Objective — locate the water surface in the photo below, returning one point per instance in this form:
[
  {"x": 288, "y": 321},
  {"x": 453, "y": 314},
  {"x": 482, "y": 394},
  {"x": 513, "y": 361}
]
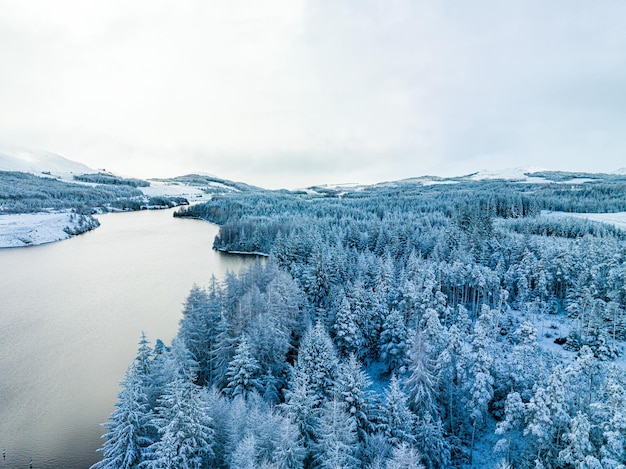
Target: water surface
[{"x": 71, "y": 314}]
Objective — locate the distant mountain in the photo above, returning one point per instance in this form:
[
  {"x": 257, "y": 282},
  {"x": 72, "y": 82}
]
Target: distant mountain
[
  {"x": 209, "y": 183},
  {"x": 39, "y": 162},
  {"x": 526, "y": 174},
  {"x": 517, "y": 174}
]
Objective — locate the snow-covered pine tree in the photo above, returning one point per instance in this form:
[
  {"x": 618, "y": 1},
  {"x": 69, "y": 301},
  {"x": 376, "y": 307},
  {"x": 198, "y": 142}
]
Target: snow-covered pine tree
[
  {"x": 421, "y": 382},
  {"x": 317, "y": 360},
  {"x": 129, "y": 428},
  {"x": 301, "y": 404},
  {"x": 404, "y": 456},
  {"x": 246, "y": 454},
  {"x": 352, "y": 390},
  {"x": 199, "y": 327},
  {"x": 579, "y": 451},
  {"x": 398, "y": 422},
  {"x": 348, "y": 336},
  {"x": 431, "y": 443},
  {"x": 453, "y": 375},
  {"x": 184, "y": 425},
  {"x": 392, "y": 346},
  {"x": 336, "y": 444},
  {"x": 242, "y": 375}
]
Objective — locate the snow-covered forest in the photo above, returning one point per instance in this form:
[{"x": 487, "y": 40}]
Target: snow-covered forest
[
  {"x": 27, "y": 193},
  {"x": 393, "y": 326}
]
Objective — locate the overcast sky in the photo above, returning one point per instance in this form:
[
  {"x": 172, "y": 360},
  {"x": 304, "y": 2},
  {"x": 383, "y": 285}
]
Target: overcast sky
[{"x": 290, "y": 93}]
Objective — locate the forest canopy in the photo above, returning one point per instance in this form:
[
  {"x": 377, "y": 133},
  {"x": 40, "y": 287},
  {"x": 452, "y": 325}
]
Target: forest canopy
[{"x": 393, "y": 326}]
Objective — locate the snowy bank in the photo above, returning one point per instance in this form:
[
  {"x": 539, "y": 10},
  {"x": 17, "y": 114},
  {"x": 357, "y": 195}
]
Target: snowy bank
[
  {"x": 244, "y": 253},
  {"x": 32, "y": 229}
]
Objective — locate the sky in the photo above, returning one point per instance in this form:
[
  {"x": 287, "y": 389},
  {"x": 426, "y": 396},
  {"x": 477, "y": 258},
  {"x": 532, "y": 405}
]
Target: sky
[{"x": 292, "y": 93}]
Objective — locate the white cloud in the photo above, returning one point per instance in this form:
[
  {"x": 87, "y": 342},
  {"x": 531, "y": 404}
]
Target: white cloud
[{"x": 285, "y": 93}]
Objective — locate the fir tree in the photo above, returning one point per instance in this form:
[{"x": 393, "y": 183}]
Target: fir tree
[
  {"x": 393, "y": 340},
  {"x": 129, "y": 428},
  {"x": 421, "y": 382},
  {"x": 317, "y": 360},
  {"x": 404, "y": 457},
  {"x": 185, "y": 428},
  {"x": 398, "y": 421},
  {"x": 246, "y": 454},
  {"x": 579, "y": 451},
  {"x": 431, "y": 443},
  {"x": 242, "y": 374},
  {"x": 199, "y": 327},
  {"x": 348, "y": 335},
  {"x": 352, "y": 390},
  {"x": 335, "y": 438}
]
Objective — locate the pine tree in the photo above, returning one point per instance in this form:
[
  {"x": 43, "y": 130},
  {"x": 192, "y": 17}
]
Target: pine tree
[
  {"x": 421, "y": 382},
  {"x": 352, "y": 390},
  {"x": 348, "y": 335},
  {"x": 613, "y": 419},
  {"x": 404, "y": 457},
  {"x": 398, "y": 421},
  {"x": 185, "y": 428},
  {"x": 511, "y": 427},
  {"x": 246, "y": 454},
  {"x": 431, "y": 443},
  {"x": 481, "y": 387},
  {"x": 525, "y": 364},
  {"x": 301, "y": 404},
  {"x": 453, "y": 374},
  {"x": 393, "y": 340},
  {"x": 178, "y": 363},
  {"x": 336, "y": 443},
  {"x": 269, "y": 345},
  {"x": 317, "y": 360},
  {"x": 128, "y": 429},
  {"x": 199, "y": 327},
  {"x": 579, "y": 451},
  {"x": 242, "y": 374},
  {"x": 539, "y": 422}
]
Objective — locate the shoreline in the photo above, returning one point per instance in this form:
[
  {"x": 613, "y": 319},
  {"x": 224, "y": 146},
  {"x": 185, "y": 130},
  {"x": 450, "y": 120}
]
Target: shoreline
[
  {"x": 34, "y": 229},
  {"x": 243, "y": 253}
]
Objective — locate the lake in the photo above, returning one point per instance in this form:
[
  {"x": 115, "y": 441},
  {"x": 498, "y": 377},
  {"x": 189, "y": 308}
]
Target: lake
[{"x": 71, "y": 314}]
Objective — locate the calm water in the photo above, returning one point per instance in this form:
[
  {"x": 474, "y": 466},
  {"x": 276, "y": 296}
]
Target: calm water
[{"x": 71, "y": 314}]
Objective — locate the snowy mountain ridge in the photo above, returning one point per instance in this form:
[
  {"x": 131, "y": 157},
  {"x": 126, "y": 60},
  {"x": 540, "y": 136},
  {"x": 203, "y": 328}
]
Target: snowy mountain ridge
[
  {"x": 38, "y": 162},
  {"x": 13, "y": 158},
  {"x": 519, "y": 173}
]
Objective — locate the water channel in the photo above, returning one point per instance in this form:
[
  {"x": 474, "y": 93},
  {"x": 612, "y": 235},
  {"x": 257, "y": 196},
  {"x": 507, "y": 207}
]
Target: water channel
[{"x": 71, "y": 314}]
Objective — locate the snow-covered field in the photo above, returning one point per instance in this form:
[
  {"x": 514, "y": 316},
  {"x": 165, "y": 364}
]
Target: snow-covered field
[
  {"x": 31, "y": 229},
  {"x": 167, "y": 189},
  {"x": 617, "y": 219}
]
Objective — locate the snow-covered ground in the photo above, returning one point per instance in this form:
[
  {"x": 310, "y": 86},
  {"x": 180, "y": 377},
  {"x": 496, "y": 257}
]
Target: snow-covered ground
[
  {"x": 170, "y": 189},
  {"x": 31, "y": 229},
  {"x": 617, "y": 219}
]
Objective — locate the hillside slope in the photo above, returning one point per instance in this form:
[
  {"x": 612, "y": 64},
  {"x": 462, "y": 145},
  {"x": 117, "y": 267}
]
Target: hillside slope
[{"x": 38, "y": 162}]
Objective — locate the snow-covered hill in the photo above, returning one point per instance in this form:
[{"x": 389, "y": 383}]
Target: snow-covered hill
[
  {"x": 14, "y": 158},
  {"x": 516, "y": 174}
]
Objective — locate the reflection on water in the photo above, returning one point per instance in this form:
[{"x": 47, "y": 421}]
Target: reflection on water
[{"x": 71, "y": 314}]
